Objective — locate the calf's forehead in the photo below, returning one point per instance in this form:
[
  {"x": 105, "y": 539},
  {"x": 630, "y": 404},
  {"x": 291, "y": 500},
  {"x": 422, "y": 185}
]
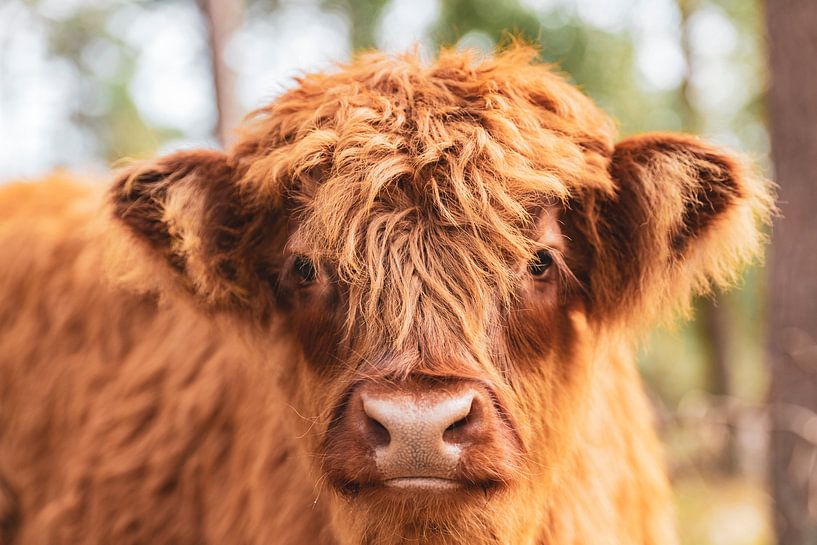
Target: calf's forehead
[
  {"x": 382, "y": 118},
  {"x": 421, "y": 184}
]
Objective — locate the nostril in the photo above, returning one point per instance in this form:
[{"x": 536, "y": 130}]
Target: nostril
[
  {"x": 458, "y": 424},
  {"x": 463, "y": 430},
  {"x": 378, "y": 434}
]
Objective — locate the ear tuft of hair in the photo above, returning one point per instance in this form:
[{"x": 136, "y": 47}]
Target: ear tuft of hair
[
  {"x": 186, "y": 211},
  {"x": 686, "y": 218}
]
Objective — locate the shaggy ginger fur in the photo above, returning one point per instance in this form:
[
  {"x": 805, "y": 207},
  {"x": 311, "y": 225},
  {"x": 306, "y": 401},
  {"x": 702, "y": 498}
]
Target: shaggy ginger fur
[{"x": 176, "y": 350}]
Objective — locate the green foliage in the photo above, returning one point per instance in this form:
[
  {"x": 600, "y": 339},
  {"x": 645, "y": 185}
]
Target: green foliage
[
  {"x": 364, "y": 17},
  {"x": 104, "y": 106}
]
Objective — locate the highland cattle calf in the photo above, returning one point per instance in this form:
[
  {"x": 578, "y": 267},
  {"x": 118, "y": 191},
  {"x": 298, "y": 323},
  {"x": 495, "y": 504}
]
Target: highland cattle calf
[{"x": 400, "y": 309}]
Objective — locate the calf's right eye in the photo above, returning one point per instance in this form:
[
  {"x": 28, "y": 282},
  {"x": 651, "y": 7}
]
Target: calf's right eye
[
  {"x": 539, "y": 265},
  {"x": 304, "y": 269}
]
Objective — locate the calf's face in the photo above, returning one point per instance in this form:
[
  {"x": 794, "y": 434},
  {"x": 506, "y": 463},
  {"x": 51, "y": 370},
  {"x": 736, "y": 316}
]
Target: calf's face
[{"x": 445, "y": 257}]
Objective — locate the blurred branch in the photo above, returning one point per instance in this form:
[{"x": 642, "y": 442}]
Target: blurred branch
[
  {"x": 703, "y": 427},
  {"x": 798, "y": 420},
  {"x": 690, "y": 119},
  {"x": 223, "y": 18}
]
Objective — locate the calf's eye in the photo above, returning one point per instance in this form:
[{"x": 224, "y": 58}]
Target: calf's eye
[
  {"x": 304, "y": 269},
  {"x": 541, "y": 262}
]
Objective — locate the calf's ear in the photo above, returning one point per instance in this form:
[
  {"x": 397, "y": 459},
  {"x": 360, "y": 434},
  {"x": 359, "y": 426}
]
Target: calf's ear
[
  {"x": 685, "y": 217},
  {"x": 187, "y": 211}
]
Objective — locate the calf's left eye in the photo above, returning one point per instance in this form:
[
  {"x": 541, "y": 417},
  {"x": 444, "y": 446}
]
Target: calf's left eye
[
  {"x": 305, "y": 270},
  {"x": 541, "y": 262}
]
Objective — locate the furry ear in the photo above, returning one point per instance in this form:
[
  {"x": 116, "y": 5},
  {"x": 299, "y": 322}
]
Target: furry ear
[
  {"x": 186, "y": 208},
  {"x": 685, "y": 217}
]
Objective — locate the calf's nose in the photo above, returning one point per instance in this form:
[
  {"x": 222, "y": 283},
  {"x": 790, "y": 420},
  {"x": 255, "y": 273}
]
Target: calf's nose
[{"x": 420, "y": 435}]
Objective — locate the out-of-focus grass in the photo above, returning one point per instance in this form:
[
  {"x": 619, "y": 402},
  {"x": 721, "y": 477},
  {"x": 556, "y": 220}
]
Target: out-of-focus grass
[{"x": 720, "y": 510}]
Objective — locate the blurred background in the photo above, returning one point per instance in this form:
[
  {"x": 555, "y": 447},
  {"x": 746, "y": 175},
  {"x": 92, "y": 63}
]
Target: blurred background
[{"x": 84, "y": 83}]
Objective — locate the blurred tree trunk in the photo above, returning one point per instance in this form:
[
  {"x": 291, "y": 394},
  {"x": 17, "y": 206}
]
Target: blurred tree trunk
[
  {"x": 712, "y": 313},
  {"x": 792, "y": 29},
  {"x": 223, "y": 17}
]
